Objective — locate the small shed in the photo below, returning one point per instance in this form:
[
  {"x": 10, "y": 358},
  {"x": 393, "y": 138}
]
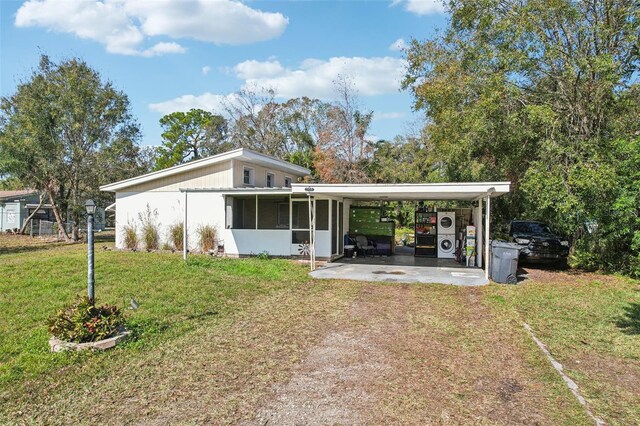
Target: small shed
[{"x": 14, "y": 207}]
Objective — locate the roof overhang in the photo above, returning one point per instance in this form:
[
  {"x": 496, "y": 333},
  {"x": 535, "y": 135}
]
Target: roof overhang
[
  {"x": 241, "y": 191},
  {"x": 242, "y": 154},
  {"x": 16, "y": 196},
  {"x": 407, "y": 191}
]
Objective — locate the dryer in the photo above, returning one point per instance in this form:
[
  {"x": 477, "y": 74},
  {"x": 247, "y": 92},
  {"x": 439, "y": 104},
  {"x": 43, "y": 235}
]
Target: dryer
[
  {"x": 447, "y": 246},
  {"x": 446, "y": 223}
]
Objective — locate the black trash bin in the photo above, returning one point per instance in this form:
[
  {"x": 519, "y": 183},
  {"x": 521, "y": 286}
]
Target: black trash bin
[{"x": 504, "y": 262}]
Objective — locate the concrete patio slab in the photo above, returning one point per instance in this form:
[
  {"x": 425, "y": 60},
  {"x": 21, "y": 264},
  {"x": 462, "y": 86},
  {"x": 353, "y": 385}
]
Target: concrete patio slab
[{"x": 399, "y": 269}]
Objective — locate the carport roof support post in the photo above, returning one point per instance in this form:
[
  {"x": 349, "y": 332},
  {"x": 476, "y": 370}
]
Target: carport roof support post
[
  {"x": 487, "y": 221},
  {"x": 184, "y": 228}
]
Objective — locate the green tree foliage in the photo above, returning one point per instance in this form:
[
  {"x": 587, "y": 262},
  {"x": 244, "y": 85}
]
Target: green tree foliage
[
  {"x": 189, "y": 136},
  {"x": 543, "y": 94},
  {"x": 65, "y": 132},
  {"x": 406, "y": 159}
]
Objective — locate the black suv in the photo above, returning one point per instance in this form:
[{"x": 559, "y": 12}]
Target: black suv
[{"x": 538, "y": 242}]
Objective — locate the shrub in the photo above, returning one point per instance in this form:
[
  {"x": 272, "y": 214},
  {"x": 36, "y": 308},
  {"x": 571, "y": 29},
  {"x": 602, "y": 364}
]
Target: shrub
[
  {"x": 150, "y": 234},
  {"x": 264, "y": 255},
  {"x": 130, "y": 236},
  {"x": 81, "y": 322},
  {"x": 176, "y": 235},
  {"x": 206, "y": 237}
]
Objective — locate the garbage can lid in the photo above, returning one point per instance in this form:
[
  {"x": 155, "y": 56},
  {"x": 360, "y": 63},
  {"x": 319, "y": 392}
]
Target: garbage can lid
[{"x": 505, "y": 245}]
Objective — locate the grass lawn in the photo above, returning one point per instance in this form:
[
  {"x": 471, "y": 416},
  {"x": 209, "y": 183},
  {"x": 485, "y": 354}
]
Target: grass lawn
[
  {"x": 226, "y": 341},
  {"x": 591, "y": 324}
]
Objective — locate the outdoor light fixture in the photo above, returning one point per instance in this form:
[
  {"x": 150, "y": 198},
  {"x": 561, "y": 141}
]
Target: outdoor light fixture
[
  {"x": 90, "y": 206},
  {"x": 91, "y": 210}
]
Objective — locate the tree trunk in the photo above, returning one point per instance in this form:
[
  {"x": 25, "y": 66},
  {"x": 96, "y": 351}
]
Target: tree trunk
[
  {"x": 61, "y": 229},
  {"x": 26, "y": 222},
  {"x": 75, "y": 217}
]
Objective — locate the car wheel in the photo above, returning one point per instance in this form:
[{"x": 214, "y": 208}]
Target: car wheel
[{"x": 562, "y": 264}]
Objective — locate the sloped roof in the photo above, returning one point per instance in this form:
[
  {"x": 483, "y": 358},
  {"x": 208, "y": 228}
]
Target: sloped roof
[
  {"x": 240, "y": 154},
  {"x": 17, "y": 193}
]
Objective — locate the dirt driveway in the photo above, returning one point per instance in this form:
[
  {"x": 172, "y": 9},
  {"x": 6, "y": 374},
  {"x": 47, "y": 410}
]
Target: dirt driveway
[{"x": 420, "y": 355}]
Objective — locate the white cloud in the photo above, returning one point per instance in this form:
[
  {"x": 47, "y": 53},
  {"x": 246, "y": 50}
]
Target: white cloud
[
  {"x": 206, "y": 69},
  {"x": 206, "y": 101},
  {"x": 315, "y": 78},
  {"x": 124, "y": 25},
  {"x": 162, "y": 48},
  {"x": 421, "y": 7},
  {"x": 255, "y": 69},
  {"x": 398, "y": 45}
]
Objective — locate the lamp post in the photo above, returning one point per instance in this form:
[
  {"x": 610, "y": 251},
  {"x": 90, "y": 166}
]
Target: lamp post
[{"x": 91, "y": 210}]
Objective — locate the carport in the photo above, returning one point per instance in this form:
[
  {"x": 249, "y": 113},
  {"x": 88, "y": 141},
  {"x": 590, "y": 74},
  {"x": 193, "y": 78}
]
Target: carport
[{"x": 479, "y": 193}]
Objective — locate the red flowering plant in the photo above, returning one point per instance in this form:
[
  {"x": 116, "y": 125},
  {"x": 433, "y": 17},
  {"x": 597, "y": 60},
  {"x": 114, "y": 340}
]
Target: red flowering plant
[{"x": 83, "y": 322}]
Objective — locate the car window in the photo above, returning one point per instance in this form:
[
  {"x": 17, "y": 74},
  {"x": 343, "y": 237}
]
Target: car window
[
  {"x": 540, "y": 228},
  {"x": 530, "y": 228}
]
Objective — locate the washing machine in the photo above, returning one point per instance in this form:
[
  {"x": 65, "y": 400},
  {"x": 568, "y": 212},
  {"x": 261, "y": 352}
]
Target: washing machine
[
  {"x": 446, "y": 223},
  {"x": 447, "y": 246}
]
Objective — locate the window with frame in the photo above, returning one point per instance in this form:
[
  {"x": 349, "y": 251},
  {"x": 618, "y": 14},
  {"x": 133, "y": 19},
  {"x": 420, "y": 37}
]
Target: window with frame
[
  {"x": 247, "y": 177},
  {"x": 271, "y": 179},
  {"x": 287, "y": 182}
]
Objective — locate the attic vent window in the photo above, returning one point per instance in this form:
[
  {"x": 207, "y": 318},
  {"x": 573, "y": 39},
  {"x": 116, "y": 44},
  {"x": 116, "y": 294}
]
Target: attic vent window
[
  {"x": 287, "y": 182},
  {"x": 270, "y": 180}
]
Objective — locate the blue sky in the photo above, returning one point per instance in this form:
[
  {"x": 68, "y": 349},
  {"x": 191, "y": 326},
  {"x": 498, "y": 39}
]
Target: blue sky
[{"x": 172, "y": 55}]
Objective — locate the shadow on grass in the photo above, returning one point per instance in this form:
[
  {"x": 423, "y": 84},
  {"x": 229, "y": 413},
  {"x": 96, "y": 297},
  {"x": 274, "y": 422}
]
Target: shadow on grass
[
  {"x": 31, "y": 244},
  {"x": 31, "y": 247},
  {"x": 629, "y": 322}
]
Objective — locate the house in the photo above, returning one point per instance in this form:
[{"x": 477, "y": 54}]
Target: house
[
  {"x": 257, "y": 203},
  {"x": 243, "y": 194},
  {"x": 17, "y": 205},
  {"x": 13, "y": 207}
]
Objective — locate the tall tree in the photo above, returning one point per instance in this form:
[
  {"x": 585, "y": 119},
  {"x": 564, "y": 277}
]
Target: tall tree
[
  {"x": 541, "y": 93},
  {"x": 287, "y": 130},
  {"x": 343, "y": 152},
  {"x": 191, "y": 135},
  {"x": 254, "y": 114},
  {"x": 56, "y": 132}
]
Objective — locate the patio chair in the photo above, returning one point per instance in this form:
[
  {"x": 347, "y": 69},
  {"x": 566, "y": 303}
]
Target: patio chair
[{"x": 364, "y": 245}]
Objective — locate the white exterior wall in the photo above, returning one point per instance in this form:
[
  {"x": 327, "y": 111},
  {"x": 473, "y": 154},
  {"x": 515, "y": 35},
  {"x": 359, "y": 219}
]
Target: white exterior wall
[
  {"x": 260, "y": 175},
  {"x": 206, "y": 208},
  {"x": 203, "y": 209},
  {"x": 276, "y": 242}
]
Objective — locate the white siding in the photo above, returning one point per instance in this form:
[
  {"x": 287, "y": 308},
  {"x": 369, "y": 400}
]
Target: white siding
[
  {"x": 260, "y": 175},
  {"x": 214, "y": 176}
]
